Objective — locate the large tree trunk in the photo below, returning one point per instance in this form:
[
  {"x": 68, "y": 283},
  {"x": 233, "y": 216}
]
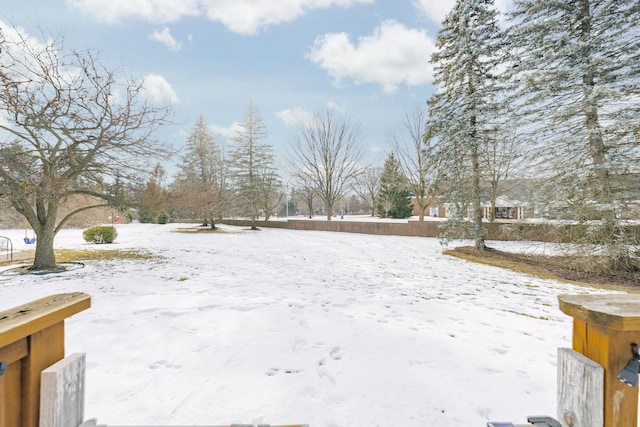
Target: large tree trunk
[
  {"x": 492, "y": 210},
  {"x": 45, "y": 257},
  {"x": 329, "y": 209},
  {"x": 602, "y": 190},
  {"x": 422, "y": 206},
  {"x": 475, "y": 201},
  {"x": 254, "y": 219}
]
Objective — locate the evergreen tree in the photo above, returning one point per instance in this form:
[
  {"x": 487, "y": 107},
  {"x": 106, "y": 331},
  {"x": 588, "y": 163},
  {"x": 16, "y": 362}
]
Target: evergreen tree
[
  {"x": 250, "y": 157},
  {"x": 393, "y": 198},
  {"x": 464, "y": 73},
  {"x": 199, "y": 184},
  {"x": 152, "y": 197},
  {"x": 576, "y": 67}
]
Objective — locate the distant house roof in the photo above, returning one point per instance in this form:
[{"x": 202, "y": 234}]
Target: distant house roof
[{"x": 506, "y": 202}]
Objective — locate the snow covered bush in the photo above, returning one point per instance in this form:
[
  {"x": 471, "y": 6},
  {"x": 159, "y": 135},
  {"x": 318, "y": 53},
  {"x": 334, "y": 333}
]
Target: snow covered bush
[{"x": 100, "y": 234}]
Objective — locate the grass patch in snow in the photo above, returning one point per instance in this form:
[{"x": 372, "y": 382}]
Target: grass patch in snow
[
  {"x": 204, "y": 230},
  {"x": 545, "y": 267},
  {"x": 73, "y": 255}
]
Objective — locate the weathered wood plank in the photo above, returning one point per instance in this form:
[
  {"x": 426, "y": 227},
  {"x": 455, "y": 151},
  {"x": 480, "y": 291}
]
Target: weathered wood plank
[
  {"x": 62, "y": 393},
  {"x": 580, "y": 390},
  {"x": 14, "y": 352},
  {"x": 10, "y": 388},
  {"x": 46, "y": 347},
  {"x": 22, "y": 321}
]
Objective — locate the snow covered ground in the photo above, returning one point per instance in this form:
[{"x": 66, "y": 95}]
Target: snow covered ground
[{"x": 327, "y": 329}]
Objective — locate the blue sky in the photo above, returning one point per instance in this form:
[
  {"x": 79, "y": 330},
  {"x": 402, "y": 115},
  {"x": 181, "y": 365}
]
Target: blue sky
[{"x": 365, "y": 58}]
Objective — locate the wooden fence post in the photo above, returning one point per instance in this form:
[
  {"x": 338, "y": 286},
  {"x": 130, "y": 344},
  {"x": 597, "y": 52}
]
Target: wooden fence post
[
  {"x": 604, "y": 326},
  {"x": 62, "y": 393},
  {"x": 580, "y": 390},
  {"x": 31, "y": 340}
]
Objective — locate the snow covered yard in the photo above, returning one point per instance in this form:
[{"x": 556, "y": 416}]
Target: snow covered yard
[{"x": 281, "y": 326}]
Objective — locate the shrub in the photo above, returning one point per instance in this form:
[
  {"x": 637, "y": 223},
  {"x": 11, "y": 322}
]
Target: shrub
[
  {"x": 100, "y": 234},
  {"x": 145, "y": 217},
  {"x": 163, "y": 218}
]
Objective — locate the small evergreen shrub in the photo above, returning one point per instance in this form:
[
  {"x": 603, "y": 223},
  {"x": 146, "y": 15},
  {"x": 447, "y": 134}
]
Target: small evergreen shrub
[
  {"x": 100, "y": 234},
  {"x": 163, "y": 218},
  {"x": 145, "y": 217}
]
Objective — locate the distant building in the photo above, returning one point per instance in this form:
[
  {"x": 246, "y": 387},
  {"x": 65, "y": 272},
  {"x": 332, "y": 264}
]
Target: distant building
[{"x": 507, "y": 208}]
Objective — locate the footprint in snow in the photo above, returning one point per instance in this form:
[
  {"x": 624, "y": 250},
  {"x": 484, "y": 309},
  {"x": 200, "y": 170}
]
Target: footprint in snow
[
  {"x": 336, "y": 353},
  {"x": 273, "y": 371},
  {"x": 163, "y": 364}
]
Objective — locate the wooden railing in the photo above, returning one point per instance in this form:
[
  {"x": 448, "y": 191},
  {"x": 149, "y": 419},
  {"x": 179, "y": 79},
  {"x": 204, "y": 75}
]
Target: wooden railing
[{"x": 32, "y": 339}]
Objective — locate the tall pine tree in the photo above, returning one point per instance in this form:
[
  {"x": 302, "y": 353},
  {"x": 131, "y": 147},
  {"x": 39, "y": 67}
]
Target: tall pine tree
[
  {"x": 576, "y": 67},
  {"x": 393, "y": 198},
  {"x": 199, "y": 184},
  {"x": 464, "y": 74},
  {"x": 250, "y": 157}
]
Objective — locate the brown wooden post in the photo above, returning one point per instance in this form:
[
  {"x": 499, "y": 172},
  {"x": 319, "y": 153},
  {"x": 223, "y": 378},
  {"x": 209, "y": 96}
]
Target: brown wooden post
[
  {"x": 32, "y": 339},
  {"x": 604, "y": 326}
]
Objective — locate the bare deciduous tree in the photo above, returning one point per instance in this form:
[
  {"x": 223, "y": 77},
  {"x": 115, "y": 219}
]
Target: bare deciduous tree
[
  {"x": 307, "y": 193},
  {"x": 366, "y": 186},
  {"x": 71, "y": 126},
  {"x": 327, "y": 155},
  {"x": 497, "y": 158},
  {"x": 418, "y": 162},
  {"x": 269, "y": 186}
]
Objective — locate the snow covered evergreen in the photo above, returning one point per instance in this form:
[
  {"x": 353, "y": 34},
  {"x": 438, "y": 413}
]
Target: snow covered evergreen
[
  {"x": 392, "y": 200},
  {"x": 465, "y": 67},
  {"x": 575, "y": 65}
]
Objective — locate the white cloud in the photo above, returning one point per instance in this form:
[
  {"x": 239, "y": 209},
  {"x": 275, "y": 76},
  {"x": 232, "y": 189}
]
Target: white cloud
[
  {"x": 18, "y": 42},
  {"x": 158, "y": 11},
  {"x": 159, "y": 91},
  {"x": 434, "y": 10},
  {"x": 340, "y": 108},
  {"x": 225, "y": 131},
  {"x": 393, "y": 55},
  {"x": 293, "y": 117},
  {"x": 250, "y": 16},
  {"x": 239, "y": 16},
  {"x": 164, "y": 36}
]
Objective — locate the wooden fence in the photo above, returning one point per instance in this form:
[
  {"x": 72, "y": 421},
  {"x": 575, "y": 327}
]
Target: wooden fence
[{"x": 540, "y": 232}]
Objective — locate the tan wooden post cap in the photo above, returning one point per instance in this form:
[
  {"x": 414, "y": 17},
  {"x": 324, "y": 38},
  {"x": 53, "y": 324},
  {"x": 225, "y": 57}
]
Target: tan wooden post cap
[{"x": 612, "y": 311}]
